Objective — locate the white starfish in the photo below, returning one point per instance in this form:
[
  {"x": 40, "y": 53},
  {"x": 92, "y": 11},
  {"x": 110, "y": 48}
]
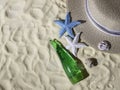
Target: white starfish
[{"x": 73, "y": 43}]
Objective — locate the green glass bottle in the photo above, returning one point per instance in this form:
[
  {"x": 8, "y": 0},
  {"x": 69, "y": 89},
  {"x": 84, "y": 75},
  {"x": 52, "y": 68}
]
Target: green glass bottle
[{"x": 73, "y": 67}]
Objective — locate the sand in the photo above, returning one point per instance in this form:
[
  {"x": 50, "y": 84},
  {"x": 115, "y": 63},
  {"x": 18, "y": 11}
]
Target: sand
[{"x": 28, "y": 62}]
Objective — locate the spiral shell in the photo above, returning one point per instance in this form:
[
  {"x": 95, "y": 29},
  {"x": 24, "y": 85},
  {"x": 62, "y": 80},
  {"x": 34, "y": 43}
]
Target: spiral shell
[
  {"x": 104, "y": 45},
  {"x": 91, "y": 62}
]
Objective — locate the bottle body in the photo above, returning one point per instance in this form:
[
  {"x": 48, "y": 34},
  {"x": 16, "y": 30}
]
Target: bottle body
[{"x": 73, "y": 67}]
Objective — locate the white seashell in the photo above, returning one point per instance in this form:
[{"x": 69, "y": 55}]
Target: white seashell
[{"x": 104, "y": 45}]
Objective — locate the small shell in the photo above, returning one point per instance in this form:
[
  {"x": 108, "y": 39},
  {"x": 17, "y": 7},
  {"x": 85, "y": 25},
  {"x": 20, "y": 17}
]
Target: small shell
[
  {"x": 104, "y": 45},
  {"x": 91, "y": 62}
]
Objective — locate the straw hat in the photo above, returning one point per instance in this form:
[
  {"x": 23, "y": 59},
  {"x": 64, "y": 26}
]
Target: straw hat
[{"x": 101, "y": 29}]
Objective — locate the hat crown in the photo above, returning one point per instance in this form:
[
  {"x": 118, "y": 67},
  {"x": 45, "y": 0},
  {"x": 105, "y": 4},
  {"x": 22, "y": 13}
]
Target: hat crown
[{"x": 106, "y": 12}]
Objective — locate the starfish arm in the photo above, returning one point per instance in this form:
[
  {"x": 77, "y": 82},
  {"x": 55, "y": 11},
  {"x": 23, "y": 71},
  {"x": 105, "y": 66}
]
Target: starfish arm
[
  {"x": 60, "y": 22},
  {"x": 80, "y": 45},
  {"x": 73, "y": 24},
  {"x": 67, "y": 20},
  {"x": 68, "y": 39},
  {"x": 68, "y": 47},
  {"x": 70, "y": 32},
  {"x": 74, "y": 51},
  {"x": 61, "y": 32},
  {"x": 76, "y": 39}
]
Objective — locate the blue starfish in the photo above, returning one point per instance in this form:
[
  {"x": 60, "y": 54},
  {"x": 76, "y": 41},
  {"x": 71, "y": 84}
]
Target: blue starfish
[{"x": 67, "y": 25}]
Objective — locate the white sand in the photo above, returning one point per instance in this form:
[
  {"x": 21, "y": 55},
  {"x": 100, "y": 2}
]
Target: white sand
[{"x": 28, "y": 62}]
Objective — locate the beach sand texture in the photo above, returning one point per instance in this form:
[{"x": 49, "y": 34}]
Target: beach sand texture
[{"x": 28, "y": 62}]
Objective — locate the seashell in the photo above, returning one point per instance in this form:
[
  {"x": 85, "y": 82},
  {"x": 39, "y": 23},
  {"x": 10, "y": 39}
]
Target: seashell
[
  {"x": 91, "y": 62},
  {"x": 104, "y": 45}
]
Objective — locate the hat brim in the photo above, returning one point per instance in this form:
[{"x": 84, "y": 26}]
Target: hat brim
[{"x": 91, "y": 35}]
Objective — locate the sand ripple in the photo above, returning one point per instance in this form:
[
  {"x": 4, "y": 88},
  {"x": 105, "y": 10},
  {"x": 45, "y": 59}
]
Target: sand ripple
[{"x": 27, "y": 61}]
